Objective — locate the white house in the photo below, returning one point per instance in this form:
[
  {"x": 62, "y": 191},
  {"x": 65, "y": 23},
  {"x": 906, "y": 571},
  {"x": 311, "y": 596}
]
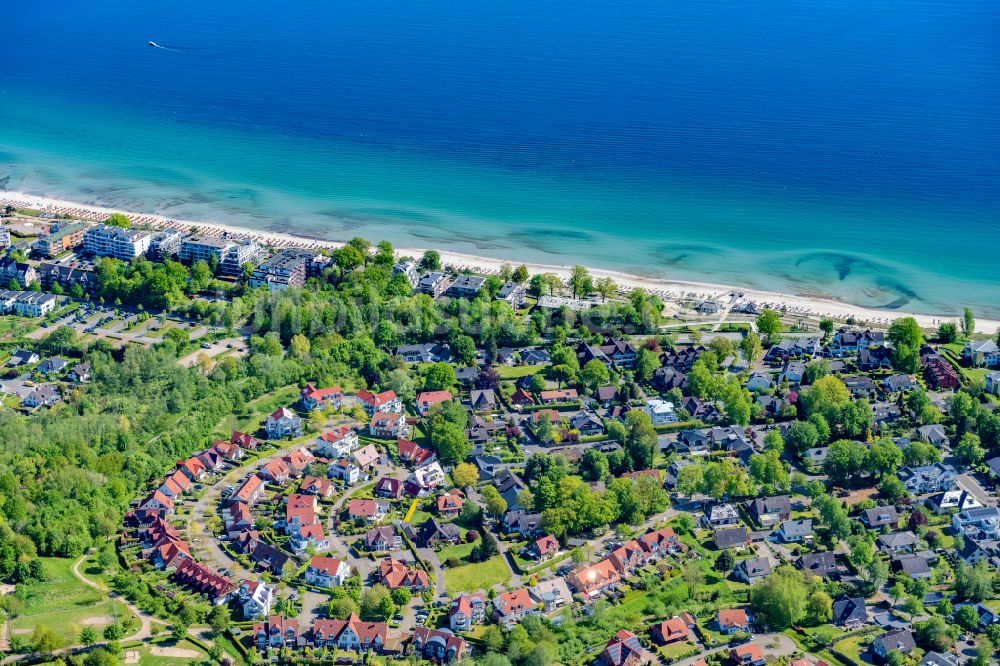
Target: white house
[
  {"x": 327, "y": 572},
  {"x": 982, "y": 353},
  {"x": 660, "y": 411},
  {"x": 336, "y": 443},
  {"x": 256, "y": 598},
  {"x": 283, "y": 423}
]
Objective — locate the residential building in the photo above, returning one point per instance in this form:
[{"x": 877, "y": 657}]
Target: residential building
[
  {"x": 439, "y": 645},
  {"x": 350, "y": 634},
  {"x": 982, "y": 353},
  {"x": 283, "y": 423},
  {"x": 255, "y": 598},
  {"x": 624, "y": 649},
  {"x": 928, "y": 479},
  {"x": 849, "y": 612},
  {"x": 435, "y": 284},
  {"x": 660, "y": 411},
  {"x": 426, "y": 400},
  {"x": 276, "y": 632},
  {"x": 231, "y": 254},
  {"x": 407, "y": 267},
  {"x": 673, "y": 630},
  {"x": 165, "y": 244},
  {"x": 382, "y": 539},
  {"x": 317, "y": 398},
  {"x": 386, "y": 401},
  {"x": 336, "y": 443},
  {"x": 41, "y": 396},
  {"x": 897, "y": 542},
  {"x": 466, "y": 286},
  {"x": 368, "y": 510},
  {"x": 395, "y": 573},
  {"x": 733, "y": 620},
  {"x": 748, "y": 654},
  {"x": 979, "y": 524},
  {"x": 593, "y": 579},
  {"x": 62, "y": 238},
  {"x": 768, "y": 511},
  {"x": 731, "y": 537},
  {"x": 35, "y": 304},
  {"x": 822, "y": 564},
  {"x": 514, "y": 294},
  {"x": 720, "y": 515},
  {"x": 795, "y": 531},
  {"x": 327, "y": 572},
  {"x": 388, "y": 425},
  {"x": 895, "y": 640},
  {"x": 466, "y": 611},
  {"x": 290, "y": 267},
  {"x": 753, "y": 569},
  {"x": 511, "y": 606},
  {"x": 426, "y": 352},
  {"x": 880, "y": 516},
  {"x": 105, "y": 240}
]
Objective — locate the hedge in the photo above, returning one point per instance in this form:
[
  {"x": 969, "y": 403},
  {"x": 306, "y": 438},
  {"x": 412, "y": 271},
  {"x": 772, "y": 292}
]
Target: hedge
[
  {"x": 574, "y": 406},
  {"x": 680, "y": 425}
]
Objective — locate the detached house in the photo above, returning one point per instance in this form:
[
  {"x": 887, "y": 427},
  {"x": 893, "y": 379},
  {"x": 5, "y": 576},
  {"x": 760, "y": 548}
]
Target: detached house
[
  {"x": 283, "y": 423},
  {"x": 510, "y": 607},
  {"x": 849, "y": 612},
  {"x": 316, "y": 398},
  {"x": 256, "y": 598},
  {"x": 439, "y": 645},
  {"x": 395, "y": 574},
  {"x": 731, "y": 537},
  {"x": 388, "y": 425},
  {"x": 337, "y": 442},
  {"x": 880, "y": 516},
  {"x": 386, "y": 401},
  {"x": 982, "y": 353},
  {"x": 768, "y": 511},
  {"x": 327, "y": 572},
  {"x": 368, "y": 510},
  {"x": 753, "y": 569},
  {"x": 426, "y": 400},
  {"x": 733, "y": 620},
  {"x": 466, "y": 611},
  {"x": 928, "y": 479}
]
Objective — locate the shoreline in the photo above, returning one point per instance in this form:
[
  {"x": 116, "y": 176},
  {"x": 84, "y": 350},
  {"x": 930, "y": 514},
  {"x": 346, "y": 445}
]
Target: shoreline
[{"x": 801, "y": 305}]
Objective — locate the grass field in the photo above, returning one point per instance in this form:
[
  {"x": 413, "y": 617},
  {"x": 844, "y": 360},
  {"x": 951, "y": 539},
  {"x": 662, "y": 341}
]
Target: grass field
[
  {"x": 479, "y": 576},
  {"x": 169, "y": 653},
  {"x": 517, "y": 371},
  {"x": 64, "y": 604},
  {"x": 458, "y": 551}
]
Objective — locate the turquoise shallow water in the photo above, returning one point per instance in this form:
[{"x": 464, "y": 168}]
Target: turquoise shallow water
[{"x": 848, "y": 151}]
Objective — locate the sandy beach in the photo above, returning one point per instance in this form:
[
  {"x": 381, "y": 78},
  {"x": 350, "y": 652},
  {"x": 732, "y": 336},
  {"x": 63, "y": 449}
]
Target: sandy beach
[{"x": 805, "y": 306}]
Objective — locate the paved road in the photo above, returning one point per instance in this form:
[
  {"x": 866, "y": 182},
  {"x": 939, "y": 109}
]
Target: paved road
[
  {"x": 775, "y": 645},
  {"x": 970, "y": 484}
]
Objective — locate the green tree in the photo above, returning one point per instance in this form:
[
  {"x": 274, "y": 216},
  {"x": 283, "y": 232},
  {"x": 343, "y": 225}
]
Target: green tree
[
  {"x": 640, "y": 439},
  {"x": 751, "y": 348},
  {"x": 464, "y": 350},
  {"x": 967, "y": 618},
  {"x": 779, "y": 601},
  {"x": 906, "y": 339},
  {"x": 947, "y": 332},
  {"x": 819, "y": 608},
  {"x": 883, "y": 458},
  {"x": 844, "y": 461},
  {"x": 439, "y": 377},
  {"x": 495, "y": 504},
  {"x": 594, "y": 465},
  {"x": 690, "y": 480},
  {"x": 826, "y": 325},
  {"x": 464, "y": 475},
  {"x": 580, "y": 281},
  {"x": 218, "y": 619},
  {"x": 377, "y": 604},
  {"x": 450, "y": 442},
  {"x": 87, "y": 635},
  {"x": 969, "y": 449},
  {"x": 769, "y": 325},
  {"x": 935, "y": 634},
  {"x": 968, "y": 323},
  {"x": 118, "y": 220},
  {"x": 801, "y": 437},
  {"x": 646, "y": 363},
  {"x": 520, "y": 275},
  {"x": 594, "y": 374},
  {"x": 431, "y": 260},
  {"x": 606, "y": 287},
  {"x": 401, "y": 596}
]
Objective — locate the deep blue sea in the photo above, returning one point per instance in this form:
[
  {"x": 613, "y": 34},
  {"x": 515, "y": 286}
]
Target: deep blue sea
[{"x": 846, "y": 148}]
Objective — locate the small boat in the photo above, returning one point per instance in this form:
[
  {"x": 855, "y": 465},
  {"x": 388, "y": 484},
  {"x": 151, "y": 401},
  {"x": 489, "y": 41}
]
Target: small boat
[{"x": 153, "y": 44}]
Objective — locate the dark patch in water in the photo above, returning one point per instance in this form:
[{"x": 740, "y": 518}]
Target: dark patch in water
[{"x": 673, "y": 254}]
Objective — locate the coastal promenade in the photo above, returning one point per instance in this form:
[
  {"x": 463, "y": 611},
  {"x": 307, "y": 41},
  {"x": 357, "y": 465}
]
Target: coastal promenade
[{"x": 792, "y": 305}]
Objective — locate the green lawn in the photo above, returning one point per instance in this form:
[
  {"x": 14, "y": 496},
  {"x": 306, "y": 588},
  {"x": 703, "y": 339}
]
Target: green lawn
[
  {"x": 159, "y": 653},
  {"x": 479, "y": 576},
  {"x": 517, "y": 371},
  {"x": 459, "y": 551},
  {"x": 64, "y": 604}
]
